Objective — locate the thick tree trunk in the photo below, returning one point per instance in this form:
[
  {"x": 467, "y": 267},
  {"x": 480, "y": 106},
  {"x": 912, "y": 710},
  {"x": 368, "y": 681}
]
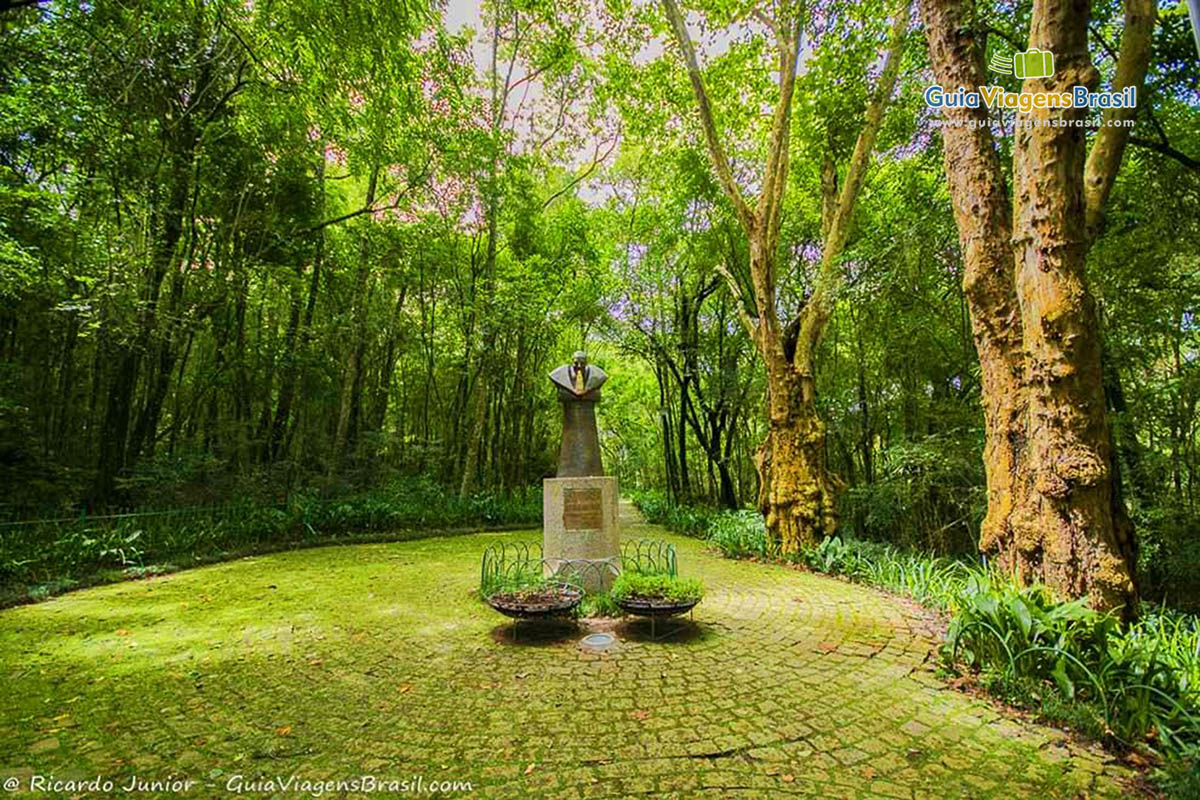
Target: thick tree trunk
[
  {"x": 1055, "y": 513},
  {"x": 797, "y": 493},
  {"x": 796, "y": 497},
  {"x": 1072, "y": 532},
  {"x": 982, "y": 212}
]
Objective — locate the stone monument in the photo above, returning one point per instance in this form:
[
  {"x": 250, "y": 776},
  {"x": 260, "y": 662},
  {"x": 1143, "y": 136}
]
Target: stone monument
[{"x": 580, "y": 528}]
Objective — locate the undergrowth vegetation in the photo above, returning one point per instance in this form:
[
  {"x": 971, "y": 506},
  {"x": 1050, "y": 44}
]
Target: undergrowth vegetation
[
  {"x": 689, "y": 520},
  {"x": 44, "y": 556},
  {"x": 1135, "y": 685}
]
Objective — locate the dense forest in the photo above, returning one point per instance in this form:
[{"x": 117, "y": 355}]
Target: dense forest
[{"x": 254, "y": 248}]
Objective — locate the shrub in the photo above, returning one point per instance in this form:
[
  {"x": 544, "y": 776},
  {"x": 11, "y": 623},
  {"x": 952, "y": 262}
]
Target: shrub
[
  {"x": 928, "y": 495},
  {"x": 1074, "y": 665},
  {"x": 599, "y": 604},
  {"x": 1139, "y": 682},
  {"x": 1169, "y": 554}
]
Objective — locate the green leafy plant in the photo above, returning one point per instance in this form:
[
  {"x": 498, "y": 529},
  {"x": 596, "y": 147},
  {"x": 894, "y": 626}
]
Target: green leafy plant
[
  {"x": 69, "y": 550},
  {"x": 635, "y": 585},
  {"x": 599, "y": 604},
  {"x": 740, "y": 534}
]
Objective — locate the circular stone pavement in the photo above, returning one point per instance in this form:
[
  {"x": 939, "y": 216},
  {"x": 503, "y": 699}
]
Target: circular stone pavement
[{"x": 329, "y": 664}]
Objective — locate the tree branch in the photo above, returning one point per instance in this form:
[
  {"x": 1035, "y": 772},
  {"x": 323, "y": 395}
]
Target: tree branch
[
  {"x": 370, "y": 208},
  {"x": 770, "y": 203},
  {"x": 820, "y": 304},
  {"x": 736, "y": 290},
  {"x": 1164, "y": 148},
  {"x": 1105, "y": 157},
  {"x": 720, "y": 160},
  {"x": 597, "y": 160}
]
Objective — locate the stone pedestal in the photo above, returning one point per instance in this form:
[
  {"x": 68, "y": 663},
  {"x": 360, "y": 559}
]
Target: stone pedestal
[{"x": 581, "y": 529}]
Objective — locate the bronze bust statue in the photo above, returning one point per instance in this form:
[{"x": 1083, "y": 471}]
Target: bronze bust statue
[{"x": 578, "y": 386}]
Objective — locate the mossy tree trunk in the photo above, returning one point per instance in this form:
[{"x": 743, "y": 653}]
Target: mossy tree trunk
[
  {"x": 1055, "y": 513},
  {"x": 797, "y": 493}
]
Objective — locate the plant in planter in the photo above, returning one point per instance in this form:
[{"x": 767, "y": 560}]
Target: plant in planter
[
  {"x": 540, "y": 598},
  {"x": 656, "y": 595}
]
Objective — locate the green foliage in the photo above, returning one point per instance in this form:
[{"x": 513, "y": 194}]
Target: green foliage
[
  {"x": 689, "y": 520},
  {"x": 658, "y": 586},
  {"x": 739, "y": 534},
  {"x": 928, "y": 495},
  {"x": 1139, "y": 683},
  {"x": 1169, "y": 554},
  {"x": 85, "y": 548},
  {"x": 599, "y": 604},
  {"x": 932, "y": 580}
]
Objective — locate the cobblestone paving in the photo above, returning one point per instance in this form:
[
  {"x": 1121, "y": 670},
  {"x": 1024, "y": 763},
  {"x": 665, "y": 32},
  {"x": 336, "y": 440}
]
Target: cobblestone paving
[{"x": 376, "y": 659}]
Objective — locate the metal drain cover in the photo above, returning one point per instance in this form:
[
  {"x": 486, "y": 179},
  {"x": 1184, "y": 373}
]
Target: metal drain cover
[{"x": 597, "y": 642}]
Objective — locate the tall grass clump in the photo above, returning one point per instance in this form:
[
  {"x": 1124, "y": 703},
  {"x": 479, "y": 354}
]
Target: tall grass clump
[
  {"x": 931, "y": 580},
  {"x": 1134, "y": 685},
  {"x": 740, "y": 534},
  {"x": 1125, "y": 685}
]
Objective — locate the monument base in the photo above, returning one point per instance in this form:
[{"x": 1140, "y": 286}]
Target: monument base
[{"x": 581, "y": 536}]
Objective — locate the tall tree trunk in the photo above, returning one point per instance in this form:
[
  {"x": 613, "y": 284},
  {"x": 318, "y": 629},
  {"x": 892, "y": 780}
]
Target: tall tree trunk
[
  {"x": 983, "y": 214},
  {"x": 288, "y": 363},
  {"x": 1054, "y": 507},
  {"x": 483, "y": 299},
  {"x": 797, "y": 493},
  {"x": 387, "y": 370},
  {"x": 282, "y": 429},
  {"x": 1076, "y": 532},
  {"x": 116, "y": 455}
]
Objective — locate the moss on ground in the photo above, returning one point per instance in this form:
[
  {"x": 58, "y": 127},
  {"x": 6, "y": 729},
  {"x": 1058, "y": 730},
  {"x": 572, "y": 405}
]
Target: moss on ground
[{"x": 379, "y": 659}]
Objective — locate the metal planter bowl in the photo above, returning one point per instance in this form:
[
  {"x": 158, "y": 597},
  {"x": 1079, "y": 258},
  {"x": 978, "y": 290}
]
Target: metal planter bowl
[
  {"x": 563, "y": 598},
  {"x": 655, "y": 607}
]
